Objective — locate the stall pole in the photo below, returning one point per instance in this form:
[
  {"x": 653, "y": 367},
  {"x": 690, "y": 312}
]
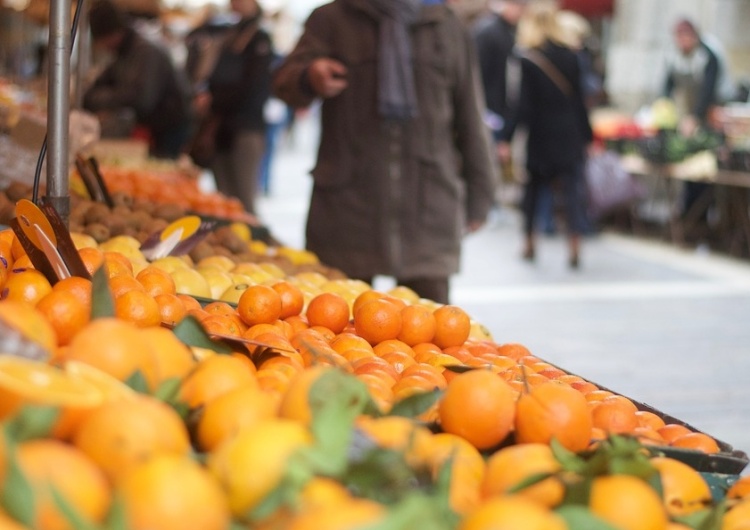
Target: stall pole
[{"x": 58, "y": 102}]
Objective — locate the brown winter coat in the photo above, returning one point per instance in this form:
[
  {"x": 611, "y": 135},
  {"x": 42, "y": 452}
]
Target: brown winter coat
[{"x": 393, "y": 199}]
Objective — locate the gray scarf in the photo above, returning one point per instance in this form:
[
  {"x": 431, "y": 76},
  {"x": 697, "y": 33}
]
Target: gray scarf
[{"x": 397, "y": 95}]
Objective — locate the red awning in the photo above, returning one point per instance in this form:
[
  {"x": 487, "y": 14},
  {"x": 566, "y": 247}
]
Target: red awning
[{"x": 590, "y": 8}]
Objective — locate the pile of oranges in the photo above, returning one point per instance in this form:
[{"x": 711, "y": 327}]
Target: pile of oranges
[{"x": 122, "y": 442}]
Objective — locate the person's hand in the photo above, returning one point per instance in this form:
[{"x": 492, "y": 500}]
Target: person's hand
[
  {"x": 504, "y": 152},
  {"x": 327, "y": 77}
]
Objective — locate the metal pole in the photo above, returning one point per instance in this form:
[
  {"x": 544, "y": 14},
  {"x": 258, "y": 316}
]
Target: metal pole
[{"x": 58, "y": 107}]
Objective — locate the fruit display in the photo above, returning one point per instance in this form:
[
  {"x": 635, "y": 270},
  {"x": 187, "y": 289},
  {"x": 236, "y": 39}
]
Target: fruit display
[{"x": 310, "y": 402}]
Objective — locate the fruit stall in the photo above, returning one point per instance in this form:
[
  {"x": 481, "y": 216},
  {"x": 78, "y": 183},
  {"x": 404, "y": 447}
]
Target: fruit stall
[{"x": 165, "y": 363}]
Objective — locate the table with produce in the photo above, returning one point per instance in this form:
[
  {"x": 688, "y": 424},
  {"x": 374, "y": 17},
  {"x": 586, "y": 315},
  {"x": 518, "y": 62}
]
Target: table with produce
[{"x": 167, "y": 364}]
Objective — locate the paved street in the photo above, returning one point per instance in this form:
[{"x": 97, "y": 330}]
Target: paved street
[{"x": 661, "y": 325}]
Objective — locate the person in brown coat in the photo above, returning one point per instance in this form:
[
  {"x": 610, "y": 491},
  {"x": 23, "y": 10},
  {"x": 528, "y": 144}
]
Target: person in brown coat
[{"x": 404, "y": 168}]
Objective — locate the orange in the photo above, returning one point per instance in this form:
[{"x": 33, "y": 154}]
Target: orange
[
  {"x": 418, "y": 325},
  {"x": 171, "y": 308},
  {"x": 649, "y": 419},
  {"x": 123, "y": 283},
  {"x": 366, "y": 296},
  {"x": 452, "y": 326},
  {"x": 511, "y": 465},
  {"x": 329, "y": 310},
  {"x": 295, "y": 404},
  {"x": 673, "y": 430},
  {"x": 627, "y": 503},
  {"x": 120, "y": 434},
  {"x": 112, "y": 345},
  {"x": 513, "y": 350},
  {"x": 478, "y": 406},
  {"x": 250, "y": 465},
  {"x": 378, "y": 320},
  {"x": 31, "y": 323},
  {"x": 92, "y": 258},
  {"x": 345, "y": 515},
  {"x": 67, "y": 314},
  {"x": 512, "y": 512},
  {"x": 348, "y": 341},
  {"x": 737, "y": 517},
  {"x": 49, "y": 464},
  {"x": 428, "y": 372},
  {"x": 27, "y": 382},
  {"x": 739, "y": 489},
  {"x": 156, "y": 281},
  {"x": 392, "y": 345},
  {"x": 26, "y": 285},
  {"x": 259, "y": 304},
  {"x": 6, "y": 523},
  {"x": 214, "y": 376},
  {"x": 111, "y": 389},
  {"x": 553, "y": 410},
  {"x": 173, "y": 493},
  {"x": 116, "y": 264},
  {"x": 139, "y": 308},
  {"x": 683, "y": 489},
  {"x": 614, "y": 416},
  {"x": 216, "y": 324},
  {"x": 81, "y": 287},
  {"x": 467, "y": 466},
  {"x": 170, "y": 357},
  {"x": 392, "y": 432},
  {"x": 6, "y": 255},
  {"x": 189, "y": 301},
  {"x": 229, "y": 413},
  {"x": 292, "y": 299},
  {"x": 696, "y": 440}
]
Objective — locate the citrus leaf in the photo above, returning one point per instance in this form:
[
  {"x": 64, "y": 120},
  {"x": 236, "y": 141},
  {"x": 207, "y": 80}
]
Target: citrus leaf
[
  {"x": 70, "y": 513},
  {"x": 580, "y": 518},
  {"x": 168, "y": 390},
  {"x": 333, "y": 419},
  {"x": 569, "y": 461},
  {"x": 32, "y": 421},
  {"x": 137, "y": 381},
  {"x": 190, "y": 332},
  {"x": 102, "y": 303},
  {"x": 534, "y": 478},
  {"x": 416, "y": 404},
  {"x": 384, "y": 476},
  {"x": 297, "y": 474},
  {"x": 117, "y": 518},
  {"x": 579, "y": 491},
  {"x": 459, "y": 368},
  {"x": 414, "y": 511},
  {"x": 708, "y": 519},
  {"x": 17, "y": 493}
]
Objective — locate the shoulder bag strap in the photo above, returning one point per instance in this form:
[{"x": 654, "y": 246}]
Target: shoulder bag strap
[{"x": 550, "y": 70}]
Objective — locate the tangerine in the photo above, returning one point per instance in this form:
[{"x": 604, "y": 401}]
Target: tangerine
[
  {"x": 453, "y": 326},
  {"x": 328, "y": 310},
  {"x": 378, "y": 320},
  {"x": 259, "y": 304}
]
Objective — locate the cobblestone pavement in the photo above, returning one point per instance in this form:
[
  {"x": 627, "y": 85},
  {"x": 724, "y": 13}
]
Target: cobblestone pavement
[{"x": 661, "y": 325}]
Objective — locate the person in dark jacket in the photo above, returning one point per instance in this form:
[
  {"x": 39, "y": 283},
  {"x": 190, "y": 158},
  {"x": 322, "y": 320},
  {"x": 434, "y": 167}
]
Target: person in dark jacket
[
  {"x": 495, "y": 37},
  {"x": 141, "y": 79},
  {"x": 552, "y": 107},
  {"x": 239, "y": 87},
  {"x": 403, "y": 169}
]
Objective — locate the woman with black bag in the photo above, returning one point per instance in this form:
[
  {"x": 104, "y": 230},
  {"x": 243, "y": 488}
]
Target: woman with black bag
[{"x": 552, "y": 107}]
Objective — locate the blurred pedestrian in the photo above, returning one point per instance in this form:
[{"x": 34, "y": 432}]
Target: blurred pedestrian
[
  {"x": 692, "y": 81},
  {"x": 404, "y": 168},
  {"x": 141, "y": 81},
  {"x": 551, "y": 106},
  {"x": 239, "y": 87}
]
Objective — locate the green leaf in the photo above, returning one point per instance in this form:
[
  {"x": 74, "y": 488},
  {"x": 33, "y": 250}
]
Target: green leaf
[
  {"x": 414, "y": 511},
  {"x": 298, "y": 473},
  {"x": 568, "y": 459},
  {"x": 708, "y": 519},
  {"x": 579, "y": 491},
  {"x": 75, "y": 519},
  {"x": 384, "y": 476},
  {"x": 168, "y": 390},
  {"x": 459, "y": 368},
  {"x": 534, "y": 478},
  {"x": 17, "y": 493},
  {"x": 580, "y": 518},
  {"x": 117, "y": 518},
  {"x": 190, "y": 332},
  {"x": 137, "y": 381},
  {"x": 32, "y": 421},
  {"x": 102, "y": 303},
  {"x": 416, "y": 404},
  {"x": 336, "y": 399}
]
